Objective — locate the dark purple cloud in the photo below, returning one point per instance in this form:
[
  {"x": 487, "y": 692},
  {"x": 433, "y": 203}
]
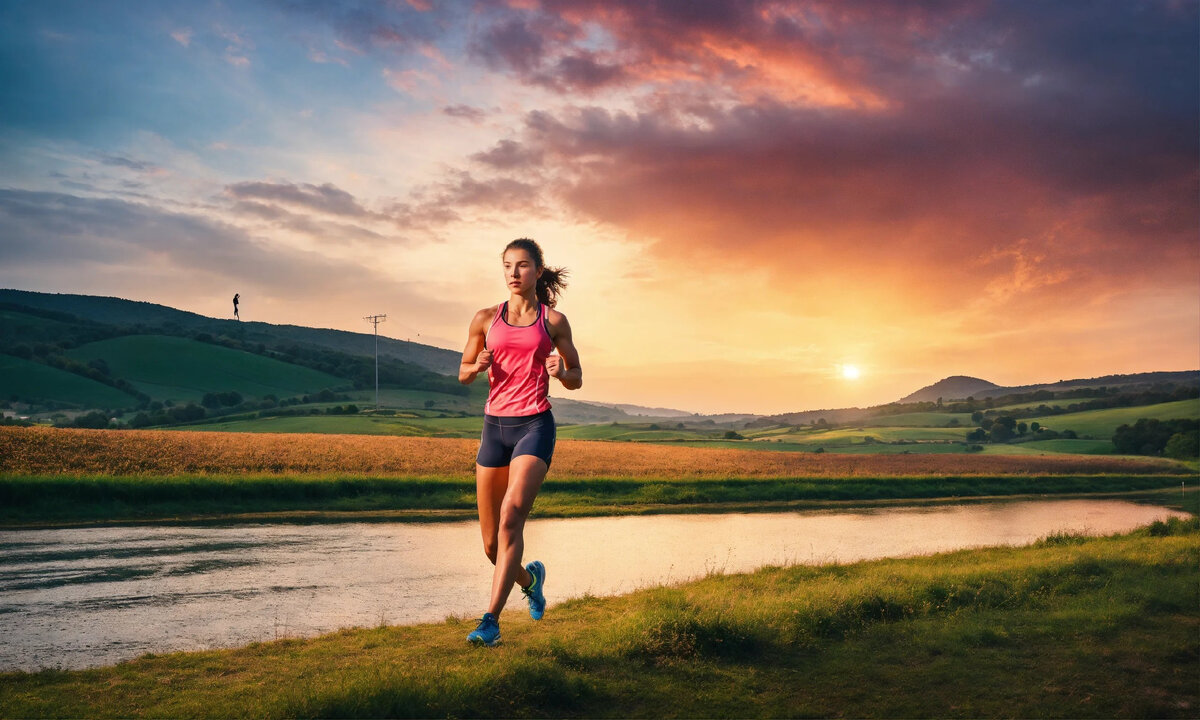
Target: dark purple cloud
[
  {"x": 466, "y": 112},
  {"x": 509, "y": 155}
]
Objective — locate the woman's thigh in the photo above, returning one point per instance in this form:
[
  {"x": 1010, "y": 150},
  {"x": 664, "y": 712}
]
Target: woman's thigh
[
  {"x": 491, "y": 484},
  {"x": 525, "y": 476}
]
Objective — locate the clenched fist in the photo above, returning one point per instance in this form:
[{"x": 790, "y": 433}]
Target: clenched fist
[
  {"x": 483, "y": 360},
  {"x": 554, "y": 366}
]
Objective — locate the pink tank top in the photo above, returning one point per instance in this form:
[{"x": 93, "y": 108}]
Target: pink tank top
[{"x": 517, "y": 377}]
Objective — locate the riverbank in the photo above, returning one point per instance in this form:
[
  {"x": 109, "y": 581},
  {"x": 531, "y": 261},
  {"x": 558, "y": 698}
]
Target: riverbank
[
  {"x": 30, "y": 501},
  {"x": 1069, "y": 626}
]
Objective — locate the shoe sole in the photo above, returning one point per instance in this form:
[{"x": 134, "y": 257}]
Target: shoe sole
[{"x": 484, "y": 643}]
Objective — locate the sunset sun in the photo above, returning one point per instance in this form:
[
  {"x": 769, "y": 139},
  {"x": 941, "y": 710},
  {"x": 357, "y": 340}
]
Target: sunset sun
[{"x": 850, "y": 372}]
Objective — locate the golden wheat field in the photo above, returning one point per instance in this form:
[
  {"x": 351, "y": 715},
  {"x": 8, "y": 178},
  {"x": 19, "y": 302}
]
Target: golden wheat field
[{"x": 43, "y": 450}]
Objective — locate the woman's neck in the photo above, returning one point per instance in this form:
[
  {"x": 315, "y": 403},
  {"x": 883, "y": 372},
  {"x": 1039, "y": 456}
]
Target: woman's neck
[{"x": 521, "y": 305}]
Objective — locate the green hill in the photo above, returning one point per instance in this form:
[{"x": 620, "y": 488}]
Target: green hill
[
  {"x": 184, "y": 370},
  {"x": 23, "y": 379},
  {"x": 1103, "y": 423},
  {"x": 151, "y": 317}
]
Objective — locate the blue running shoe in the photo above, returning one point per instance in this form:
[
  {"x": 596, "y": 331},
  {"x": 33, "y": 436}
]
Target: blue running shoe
[
  {"x": 535, "y": 593},
  {"x": 487, "y": 633}
]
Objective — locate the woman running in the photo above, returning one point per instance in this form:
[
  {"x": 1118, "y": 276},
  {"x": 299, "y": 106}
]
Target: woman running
[{"x": 513, "y": 342}]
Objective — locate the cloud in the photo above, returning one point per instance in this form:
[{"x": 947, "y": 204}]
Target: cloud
[
  {"x": 317, "y": 229},
  {"x": 326, "y": 198},
  {"x": 128, "y": 244},
  {"x": 811, "y": 52},
  {"x": 305, "y": 207},
  {"x": 319, "y": 56},
  {"x": 41, "y": 228},
  {"x": 466, "y": 112},
  {"x": 182, "y": 36},
  {"x": 125, "y": 162},
  {"x": 508, "y": 155},
  {"x": 364, "y": 27},
  {"x": 966, "y": 179}
]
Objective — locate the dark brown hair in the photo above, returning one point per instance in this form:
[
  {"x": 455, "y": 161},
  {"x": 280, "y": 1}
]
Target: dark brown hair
[{"x": 552, "y": 281}]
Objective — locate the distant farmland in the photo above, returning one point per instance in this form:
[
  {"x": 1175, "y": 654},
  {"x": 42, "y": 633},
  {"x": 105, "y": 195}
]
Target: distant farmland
[{"x": 77, "y": 451}]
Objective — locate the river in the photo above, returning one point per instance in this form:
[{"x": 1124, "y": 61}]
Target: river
[{"x": 75, "y": 598}]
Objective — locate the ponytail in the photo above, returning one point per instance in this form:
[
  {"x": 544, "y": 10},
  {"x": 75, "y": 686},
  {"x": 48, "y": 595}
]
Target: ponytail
[{"x": 552, "y": 281}]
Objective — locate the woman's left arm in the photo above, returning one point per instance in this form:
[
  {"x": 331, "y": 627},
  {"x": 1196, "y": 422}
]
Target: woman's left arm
[{"x": 565, "y": 365}]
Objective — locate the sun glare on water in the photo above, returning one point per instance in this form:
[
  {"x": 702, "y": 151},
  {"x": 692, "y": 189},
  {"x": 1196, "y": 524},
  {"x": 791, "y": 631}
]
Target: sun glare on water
[{"x": 850, "y": 372}]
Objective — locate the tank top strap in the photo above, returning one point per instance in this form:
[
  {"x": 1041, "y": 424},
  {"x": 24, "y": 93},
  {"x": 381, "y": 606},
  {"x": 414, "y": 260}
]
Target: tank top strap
[{"x": 495, "y": 319}]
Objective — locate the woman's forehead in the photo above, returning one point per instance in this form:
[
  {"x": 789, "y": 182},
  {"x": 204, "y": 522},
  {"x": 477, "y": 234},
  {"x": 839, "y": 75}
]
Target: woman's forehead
[{"x": 517, "y": 255}]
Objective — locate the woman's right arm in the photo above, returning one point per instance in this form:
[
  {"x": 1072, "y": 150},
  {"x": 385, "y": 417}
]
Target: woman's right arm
[{"x": 476, "y": 358}]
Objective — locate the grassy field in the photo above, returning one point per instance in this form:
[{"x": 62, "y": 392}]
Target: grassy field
[
  {"x": 155, "y": 364},
  {"x": 25, "y": 378},
  {"x": 920, "y": 419},
  {"x": 926, "y": 433},
  {"x": 912, "y": 433},
  {"x": 1103, "y": 423},
  {"x": 403, "y": 424},
  {"x": 402, "y": 398},
  {"x": 1067, "y": 627},
  {"x": 41, "y": 450},
  {"x": 50, "y": 476}
]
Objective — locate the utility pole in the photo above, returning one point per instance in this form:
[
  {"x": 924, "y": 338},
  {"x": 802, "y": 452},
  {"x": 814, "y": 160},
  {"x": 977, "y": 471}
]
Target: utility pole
[{"x": 375, "y": 320}]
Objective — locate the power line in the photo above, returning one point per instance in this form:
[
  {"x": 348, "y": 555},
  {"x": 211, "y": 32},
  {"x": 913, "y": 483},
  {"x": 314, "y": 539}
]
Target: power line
[{"x": 375, "y": 320}]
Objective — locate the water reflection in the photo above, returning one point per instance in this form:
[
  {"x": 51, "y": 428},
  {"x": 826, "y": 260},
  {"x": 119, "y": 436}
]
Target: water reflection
[{"x": 82, "y": 597}]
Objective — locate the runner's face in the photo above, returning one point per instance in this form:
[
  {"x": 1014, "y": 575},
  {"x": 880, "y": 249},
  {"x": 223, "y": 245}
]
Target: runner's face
[{"x": 520, "y": 271}]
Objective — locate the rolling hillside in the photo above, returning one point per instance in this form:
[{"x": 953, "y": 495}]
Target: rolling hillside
[
  {"x": 133, "y": 313},
  {"x": 182, "y": 370},
  {"x": 960, "y": 387},
  {"x": 25, "y": 379}
]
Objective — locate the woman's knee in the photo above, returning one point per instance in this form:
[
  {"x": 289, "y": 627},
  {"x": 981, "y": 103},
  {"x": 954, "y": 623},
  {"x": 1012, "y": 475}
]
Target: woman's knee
[{"x": 512, "y": 519}]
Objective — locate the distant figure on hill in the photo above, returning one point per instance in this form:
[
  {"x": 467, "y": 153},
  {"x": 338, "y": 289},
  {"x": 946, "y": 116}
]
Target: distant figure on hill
[
  {"x": 235, "y": 302},
  {"x": 513, "y": 342}
]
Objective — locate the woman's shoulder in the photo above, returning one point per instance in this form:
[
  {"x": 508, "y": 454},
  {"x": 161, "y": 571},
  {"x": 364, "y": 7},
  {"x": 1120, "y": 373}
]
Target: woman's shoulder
[
  {"x": 555, "y": 318},
  {"x": 485, "y": 315}
]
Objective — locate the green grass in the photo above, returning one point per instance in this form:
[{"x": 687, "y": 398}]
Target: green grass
[
  {"x": 920, "y": 419},
  {"x": 851, "y": 435},
  {"x": 1034, "y": 404},
  {"x": 1066, "y": 627},
  {"x": 632, "y": 432},
  {"x": 26, "y": 378},
  {"x": 462, "y": 427},
  {"x": 184, "y": 370},
  {"x": 32, "y": 500},
  {"x": 402, "y": 398},
  {"x": 1067, "y": 445},
  {"x": 1103, "y": 423},
  {"x": 859, "y": 447}
]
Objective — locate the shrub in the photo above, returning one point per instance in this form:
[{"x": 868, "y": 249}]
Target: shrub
[{"x": 1183, "y": 445}]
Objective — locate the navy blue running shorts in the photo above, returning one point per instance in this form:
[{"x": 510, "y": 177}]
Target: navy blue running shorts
[{"x": 506, "y": 437}]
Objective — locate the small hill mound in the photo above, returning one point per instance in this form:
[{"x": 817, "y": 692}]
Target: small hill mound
[{"x": 955, "y": 387}]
